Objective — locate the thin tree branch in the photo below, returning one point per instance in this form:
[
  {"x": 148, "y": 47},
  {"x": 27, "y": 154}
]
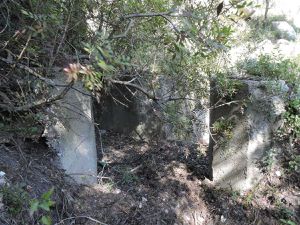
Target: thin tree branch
[
  {"x": 163, "y": 14},
  {"x": 127, "y": 83},
  {"x": 29, "y": 70},
  {"x": 227, "y": 103},
  {"x": 143, "y": 15},
  {"x": 149, "y": 95},
  {"x": 130, "y": 24},
  {"x": 146, "y": 15},
  {"x": 38, "y": 103},
  {"x": 52, "y": 60}
]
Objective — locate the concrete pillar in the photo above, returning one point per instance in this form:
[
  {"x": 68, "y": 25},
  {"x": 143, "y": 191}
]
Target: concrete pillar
[
  {"x": 255, "y": 114},
  {"x": 72, "y": 134}
]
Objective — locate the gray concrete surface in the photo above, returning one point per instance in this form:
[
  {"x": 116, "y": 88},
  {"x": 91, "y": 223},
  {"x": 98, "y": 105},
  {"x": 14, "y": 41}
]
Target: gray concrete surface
[
  {"x": 236, "y": 162},
  {"x": 71, "y": 132}
]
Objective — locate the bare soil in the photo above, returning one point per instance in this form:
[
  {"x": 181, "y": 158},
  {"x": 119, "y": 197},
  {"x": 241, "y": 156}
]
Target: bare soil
[
  {"x": 143, "y": 183},
  {"x": 163, "y": 183}
]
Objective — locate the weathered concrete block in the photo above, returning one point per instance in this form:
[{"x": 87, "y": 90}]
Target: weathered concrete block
[
  {"x": 254, "y": 115},
  {"x": 72, "y": 134},
  {"x": 285, "y": 30}
]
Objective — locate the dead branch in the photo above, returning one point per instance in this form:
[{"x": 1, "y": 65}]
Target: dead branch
[
  {"x": 38, "y": 103},
  {"x": 77, "y": 217},
  {"x": 139, "y": 88},
  {"x": 29, "y": 70},
  {"x": 227, "y": 103}
]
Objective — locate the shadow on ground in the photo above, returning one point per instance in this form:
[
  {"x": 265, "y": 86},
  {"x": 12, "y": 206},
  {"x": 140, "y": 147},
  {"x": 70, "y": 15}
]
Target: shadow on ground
[
  {"x": 140, "y": 184},
  {"x": 163, "y": 183}
]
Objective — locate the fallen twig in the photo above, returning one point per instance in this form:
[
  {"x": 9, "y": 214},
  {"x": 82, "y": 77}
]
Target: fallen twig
[
  {"x": 78, "y": 217},
  {"x": 227, "y": 103}
]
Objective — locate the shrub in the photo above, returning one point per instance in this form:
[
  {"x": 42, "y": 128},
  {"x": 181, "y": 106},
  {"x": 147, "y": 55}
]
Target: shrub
[
  {"x": 272, "y": 67},
  {"x": 292, "y": 119}
]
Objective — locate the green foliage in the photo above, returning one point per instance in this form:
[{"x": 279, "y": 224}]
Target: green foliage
[
  {"x": 180, "y": 122},
  {"x": 129, "y": 177},
  {"x": 18, "y": 200},
  {"x": 272, "y": 67},
  {"x": 226, "y": 87},
  {"x": 177, "y": 45},
  {"x": 289, "y": 222},
  {"x": 287, "y": 215},
  {"x": 223, "y": 127},
  {"x": 28, "y": 125},
  {"x": 292, "y": 119},
  {"x": 106, "y": 65},
  {"x": 43, "y": 204},
  {"x": 269, "y": 158},
  {"x": 15, "y": 198},
  {"x": 144, "y": 40},
  {"x": 294, "y": 164}
]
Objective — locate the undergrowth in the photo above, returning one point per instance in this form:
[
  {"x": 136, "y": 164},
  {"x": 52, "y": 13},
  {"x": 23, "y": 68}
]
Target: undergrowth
[
  {"x": 272, "y": 67},
  {"x": 19, "y": 204}
]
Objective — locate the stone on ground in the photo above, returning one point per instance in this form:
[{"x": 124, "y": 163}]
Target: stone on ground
[{"x": 285, "y": 30}]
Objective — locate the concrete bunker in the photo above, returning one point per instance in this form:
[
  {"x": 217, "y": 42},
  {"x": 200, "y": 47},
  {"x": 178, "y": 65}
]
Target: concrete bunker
[{"x": 253, "y": 114}]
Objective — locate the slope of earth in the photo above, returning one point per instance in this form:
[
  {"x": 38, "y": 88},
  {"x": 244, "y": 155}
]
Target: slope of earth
[
  {"x": 163, "y": 183},
  {"x": 138, "y": 183},
  {"x": 30, "y": 172}
]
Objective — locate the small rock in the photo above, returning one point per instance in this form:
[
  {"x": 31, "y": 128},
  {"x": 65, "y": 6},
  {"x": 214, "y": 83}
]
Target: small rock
[
  {"x": 285, "y": 30},
  {"x": 144, "y": 199},
  {"x": 2, "y": 178},
  {"x": 223, "y": 219},
  {"x": 278, "y": 173}
]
